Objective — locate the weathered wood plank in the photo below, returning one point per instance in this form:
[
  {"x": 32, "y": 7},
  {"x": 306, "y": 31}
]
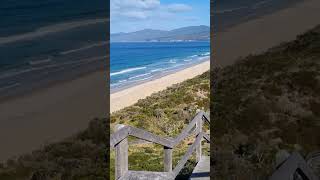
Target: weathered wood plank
[
  {"x": 294, "y": 163},
  {"x": 167, "y": 159},
  {"x": 187, "y": 130},
  {"x": 119, "y": 135},
  {"x": 202, "y": 169},
  {"x": 198, "y": 147},
  {"x": 145, "y": 135},
  {"x": 206, "y": 137},
  {"x": 147, "y": 175},
  {"x": 206, "y": 117},
  {"x": 121, "y": 167},
  {"x": 187, "y": 155}
]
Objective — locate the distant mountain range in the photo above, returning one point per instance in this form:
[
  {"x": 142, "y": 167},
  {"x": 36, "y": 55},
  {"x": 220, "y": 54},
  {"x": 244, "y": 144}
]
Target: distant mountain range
[{"x": 190, "y": 33}]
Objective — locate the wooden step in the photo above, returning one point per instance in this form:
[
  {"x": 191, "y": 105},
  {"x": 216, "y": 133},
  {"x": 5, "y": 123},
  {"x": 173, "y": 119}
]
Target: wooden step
[{"x": 202, "y": 169}]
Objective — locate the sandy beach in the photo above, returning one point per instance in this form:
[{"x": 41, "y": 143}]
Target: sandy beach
[
  {"x": 50, "y": 114},
  {"x": 127, "y": 97},
  {"x": 260, "y": 34}
]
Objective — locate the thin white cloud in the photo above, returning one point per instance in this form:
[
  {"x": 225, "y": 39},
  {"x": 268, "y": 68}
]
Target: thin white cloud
[
  {"x": 123, "y": 10},
  {"x": 124, "y": 13},
  {"x": 136, "y": 9},
  {"x": 135, "y": 14},
  {"x": 179, "y": 7},
  {"x": 135, "y": 4}
]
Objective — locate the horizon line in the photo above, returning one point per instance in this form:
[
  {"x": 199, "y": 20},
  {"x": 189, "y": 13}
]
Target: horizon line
[{"x": 156, "y": 29}]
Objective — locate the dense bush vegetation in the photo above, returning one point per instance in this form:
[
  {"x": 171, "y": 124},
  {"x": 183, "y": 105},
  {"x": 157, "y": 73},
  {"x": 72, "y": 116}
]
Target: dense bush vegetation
[{"x": 264, "y": 104}]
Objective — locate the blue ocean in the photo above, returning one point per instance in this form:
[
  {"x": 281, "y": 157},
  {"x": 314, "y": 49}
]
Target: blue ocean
[
  {"x": 132, "y": 63},
  {"x": 44, "y": 41}
]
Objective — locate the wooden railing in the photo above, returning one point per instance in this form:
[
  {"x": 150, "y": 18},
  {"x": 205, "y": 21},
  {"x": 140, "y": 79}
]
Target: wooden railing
[
  {"x": 292, "y": 167},
  {"x": 119, "y": 140}
]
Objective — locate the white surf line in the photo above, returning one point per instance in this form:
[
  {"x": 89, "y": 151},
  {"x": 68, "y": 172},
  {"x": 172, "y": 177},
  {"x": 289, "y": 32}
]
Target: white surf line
[
  {"x": 83, "y": 48},
  {"x": 51, "y": 65},
  {"x": 72, "y": 63},
  {"x": 9, "y": 86},
  {"x": 40, "y": 61},
  {"x": 51, "y": 29},
  {"x": 142, "y": 79},
  {"x": 140, "y": 75},
  {"x": 156, "y": 70},
  {"x": 127, "y": 70}
]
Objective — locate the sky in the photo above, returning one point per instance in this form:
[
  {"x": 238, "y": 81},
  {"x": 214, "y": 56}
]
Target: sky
[{"x": 134, "y": 15}]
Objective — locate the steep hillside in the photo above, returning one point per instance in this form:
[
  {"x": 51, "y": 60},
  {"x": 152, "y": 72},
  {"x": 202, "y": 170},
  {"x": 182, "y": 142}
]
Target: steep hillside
[{"x": 264, "y": 105}]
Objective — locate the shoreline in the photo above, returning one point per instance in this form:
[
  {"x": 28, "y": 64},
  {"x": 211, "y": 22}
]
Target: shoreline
[
  {"x": 129, "y": 96},
  {"x": 157, "y": 76},
  {"x": 258, "y": 35}
]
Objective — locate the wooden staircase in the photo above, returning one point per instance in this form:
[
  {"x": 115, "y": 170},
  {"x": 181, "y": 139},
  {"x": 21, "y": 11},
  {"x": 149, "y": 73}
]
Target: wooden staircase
[{"x": 119, "y": 141}]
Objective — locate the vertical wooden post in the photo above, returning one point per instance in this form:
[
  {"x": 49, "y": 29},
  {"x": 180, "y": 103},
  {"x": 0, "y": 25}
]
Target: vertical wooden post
[
  {"x": 121, "y": 156},
  {"x": 198, "y": 148},
  {"x": 167, "y": 159}
]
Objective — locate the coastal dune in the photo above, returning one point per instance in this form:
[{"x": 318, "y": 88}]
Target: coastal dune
[{"x": 129, "y": 96}]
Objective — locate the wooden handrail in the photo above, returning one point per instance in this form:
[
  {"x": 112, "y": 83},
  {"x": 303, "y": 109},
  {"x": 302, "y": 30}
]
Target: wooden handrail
[
  {"x": 187, "y": 155},
  {"x": 292, "y": 165},
  {"x": 119, "y": 140},
  {"x": 126, "y": 131}
]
